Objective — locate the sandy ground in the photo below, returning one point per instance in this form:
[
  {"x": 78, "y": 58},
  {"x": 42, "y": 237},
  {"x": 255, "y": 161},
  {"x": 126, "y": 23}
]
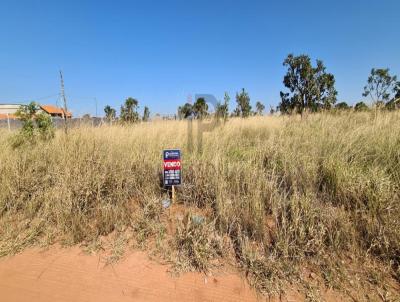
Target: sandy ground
[{"x": 70, "y": 275}]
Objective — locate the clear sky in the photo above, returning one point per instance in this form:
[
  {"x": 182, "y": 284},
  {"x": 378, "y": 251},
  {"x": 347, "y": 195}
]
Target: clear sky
[{"x": 161, "y": 51}]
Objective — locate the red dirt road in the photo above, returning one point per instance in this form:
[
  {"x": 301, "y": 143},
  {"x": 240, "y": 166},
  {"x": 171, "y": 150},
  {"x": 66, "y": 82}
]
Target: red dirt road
[{"x": 70, "y": 275}]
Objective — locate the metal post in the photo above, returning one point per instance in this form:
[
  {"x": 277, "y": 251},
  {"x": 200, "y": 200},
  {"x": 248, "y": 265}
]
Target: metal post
[
  {"x": 65, "y": 103},
  {"x": 173, "y": 194}
]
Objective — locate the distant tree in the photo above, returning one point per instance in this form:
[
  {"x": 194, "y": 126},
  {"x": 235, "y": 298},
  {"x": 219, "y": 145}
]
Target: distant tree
[
  {"x": 185, "y": 111},
  {"x": 394, "y": 103},
  {"x": 260, "y": 108},
  {"x": 397, "y": 91},
  {"x": 380, "y": 85},
  {"x": 236, "y": 112},
  {"x": 271, "y": 110},
  {"x": 200, "y": 108},
  {"x": 287, "y": 105},
  {"x": 243, "y": 107},
  {"x": 129, "y": 110},
  {"x": 310, "y": 88},
  {"x": 361, "y": 106},
  {"x": 146, "y": 114},
  {"x": 86, "y": 116},
  {"x": 222, "y": 110},
  {"x": 342, "y": 106},
  {"x": 110, "y": 113}
]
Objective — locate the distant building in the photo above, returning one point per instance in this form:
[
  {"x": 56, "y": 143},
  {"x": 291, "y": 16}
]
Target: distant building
[
  {"x": 9, "y": 108},
  {"x": 7, "y": 111},
  {"x": 55, "y": 111}
]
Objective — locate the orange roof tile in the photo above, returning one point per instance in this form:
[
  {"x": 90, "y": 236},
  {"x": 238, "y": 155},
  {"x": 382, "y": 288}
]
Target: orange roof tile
[{"x": 54, "y": 110}]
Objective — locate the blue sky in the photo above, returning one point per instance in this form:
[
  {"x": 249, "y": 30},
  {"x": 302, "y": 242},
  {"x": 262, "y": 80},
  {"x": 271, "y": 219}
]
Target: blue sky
[{"x": 161, "y": 51}]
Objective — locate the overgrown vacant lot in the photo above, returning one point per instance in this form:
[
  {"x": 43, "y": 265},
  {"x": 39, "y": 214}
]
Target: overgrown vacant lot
[{"x": 283, "y": 199}]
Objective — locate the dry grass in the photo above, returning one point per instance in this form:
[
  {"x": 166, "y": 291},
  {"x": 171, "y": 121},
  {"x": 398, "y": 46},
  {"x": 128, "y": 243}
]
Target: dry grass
[{"x": 287, "y": 192}]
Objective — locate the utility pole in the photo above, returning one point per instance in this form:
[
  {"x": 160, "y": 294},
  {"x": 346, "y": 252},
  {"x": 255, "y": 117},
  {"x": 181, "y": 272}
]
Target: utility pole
[{"x": 65, "y": 103}]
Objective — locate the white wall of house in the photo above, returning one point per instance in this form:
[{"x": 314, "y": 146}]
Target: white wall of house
[{"x": 9, "y": 108}]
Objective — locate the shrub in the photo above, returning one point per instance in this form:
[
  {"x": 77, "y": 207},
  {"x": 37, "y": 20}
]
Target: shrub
[
  {"x": 361, "y": 106},
  {"x": 36, "y": 125}
]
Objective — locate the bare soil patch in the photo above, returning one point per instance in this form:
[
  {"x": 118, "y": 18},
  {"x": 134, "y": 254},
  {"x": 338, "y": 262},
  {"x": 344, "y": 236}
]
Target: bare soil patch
[{"x": 69, "y": 274}]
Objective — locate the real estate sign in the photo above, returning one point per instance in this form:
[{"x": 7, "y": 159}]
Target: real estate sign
[{"x": 172, "y": 167}]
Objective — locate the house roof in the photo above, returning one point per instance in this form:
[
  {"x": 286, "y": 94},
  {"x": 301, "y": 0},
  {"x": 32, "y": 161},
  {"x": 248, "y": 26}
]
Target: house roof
[{"x": 54, "y": 110}]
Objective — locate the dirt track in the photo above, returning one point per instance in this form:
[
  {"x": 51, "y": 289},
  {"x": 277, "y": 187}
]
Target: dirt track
[{"x": 70, "y": 275}]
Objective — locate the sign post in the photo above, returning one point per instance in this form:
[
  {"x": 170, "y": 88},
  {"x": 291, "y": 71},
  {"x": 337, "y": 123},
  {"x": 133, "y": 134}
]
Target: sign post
[{"x": 172, "y": 175}]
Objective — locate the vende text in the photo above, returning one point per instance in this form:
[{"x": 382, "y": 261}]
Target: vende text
[{"x": 172, "y": 165}]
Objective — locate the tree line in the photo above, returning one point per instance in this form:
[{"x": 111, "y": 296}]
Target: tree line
[
  {"x": 309, "y": 88},
  {"x": 128, "y": 113},
  {"x": 200, "y": 108}
]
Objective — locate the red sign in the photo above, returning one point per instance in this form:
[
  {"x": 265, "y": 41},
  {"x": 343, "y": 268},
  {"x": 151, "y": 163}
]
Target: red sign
[
  {"x": 172, "y": 167},
  {"x": 172, "y": 164}
]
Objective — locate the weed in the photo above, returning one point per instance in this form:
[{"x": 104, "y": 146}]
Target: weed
[{"x": 197, "y": 244}]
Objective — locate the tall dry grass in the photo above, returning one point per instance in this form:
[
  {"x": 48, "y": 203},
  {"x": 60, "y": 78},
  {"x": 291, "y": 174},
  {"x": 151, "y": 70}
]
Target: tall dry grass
[{"x": 280, "y": 191}]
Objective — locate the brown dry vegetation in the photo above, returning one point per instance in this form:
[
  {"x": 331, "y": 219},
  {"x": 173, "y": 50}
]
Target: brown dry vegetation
[{"x": 283, "y": 198}]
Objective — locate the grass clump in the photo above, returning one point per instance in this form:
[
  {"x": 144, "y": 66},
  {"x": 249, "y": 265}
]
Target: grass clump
[
  {"x": 147, "y": 222},
  {"x": 197, "y": 244}
]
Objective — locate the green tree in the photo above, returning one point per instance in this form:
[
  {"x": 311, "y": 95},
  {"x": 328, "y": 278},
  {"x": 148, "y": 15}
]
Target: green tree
[
  {"x": 360, "y": 106},
  {"x": 35, "y": 124},
  {"x": 146, "y": 114},
  {"x": 342, "y": 106},
  {"x": 236, "y": 112},
  {"x": 310, "y": 88},
  {"x": 222, "y": 110},
  {"x": 185, "y": 111},
  {"x": 200, "y": 108},
  {"x": 243, "y": 107},
  {"x": 394, "y": 103},
  {"x": 260, "y": 108},
  {"x": 287, "y": 105},
  {"x": 271, "y": 110},
  {"x": 129, "y": 110},
  {"x": 110, "y": 113},
  {"x": 397, "y": 91},
  {"x": 380, "y": 85}
]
